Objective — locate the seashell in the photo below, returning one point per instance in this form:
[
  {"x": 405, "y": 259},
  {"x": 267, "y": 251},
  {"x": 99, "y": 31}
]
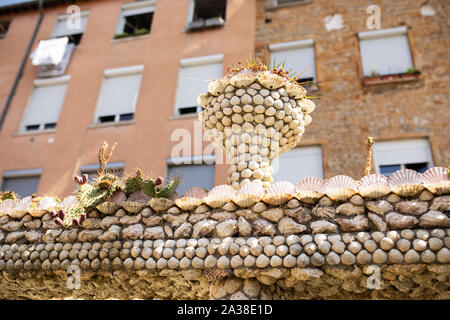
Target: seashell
[
  {"x": 279, "y": 193},
  {"x": 374, "y": 186},
  {"x": 217, "y": 87},
  {"x": 340, "y": 188},
  {"x": 7, "y": 206},
  {"x": 160, "y": 204},
  {"x": 249, "y": 194},
  {"x": 219, "y": 195},
  {"x": 270, "y": 80},
  {"x": 242, "y": 80},
  {"x": 36, "y": 212},
  {"x": 21, "y": 208},
  {"x": 307, "y": 105},
  {"x": 175, "y": 196},
  {"x": 48, "y": 203},
  {"x": 436, "y": 180},
  {"x": 133, "y": 206},
  {"x": 191, "y": 199},
  {"x": 295, "y": 91},
  {"x": 202, "y": 100},
  {"x": 117, "y": 197},
  {"x": 406, "y": 182},
  {"x": 108, "y": 207},
  {"x": 310, "y": 189}
]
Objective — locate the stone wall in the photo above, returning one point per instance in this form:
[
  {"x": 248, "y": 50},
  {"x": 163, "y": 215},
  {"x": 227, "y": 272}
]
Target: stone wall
[{"x": 293, "y": 251}]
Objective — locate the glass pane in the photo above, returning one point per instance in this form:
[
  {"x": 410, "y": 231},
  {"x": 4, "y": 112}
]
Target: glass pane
[
  {"x": 387, "y": 170},
  {"x": 419, "y": 167},
  {"x": 197, "y": 175},
  {"x": 23, "y": 186}
]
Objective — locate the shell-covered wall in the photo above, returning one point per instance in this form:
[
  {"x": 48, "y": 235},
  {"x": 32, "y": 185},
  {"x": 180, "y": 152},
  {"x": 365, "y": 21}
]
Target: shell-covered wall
[{"x": 293, "y": 250}]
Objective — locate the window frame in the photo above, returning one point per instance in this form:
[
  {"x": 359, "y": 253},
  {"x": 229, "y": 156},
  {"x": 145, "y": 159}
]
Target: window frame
[
  {"x": 192, "y": 62},
  {"x": 43, "y": 83},
  {"x": 273, "y": 4},
  {"x": 190, "y": 18},
  {"x": 112, "y": 73},
  {"x": 64, "y": 17},
  {"x": 21, "y": 173},
  {"x": 6, "y": 22},
  {"x": 150, "y": 5}
]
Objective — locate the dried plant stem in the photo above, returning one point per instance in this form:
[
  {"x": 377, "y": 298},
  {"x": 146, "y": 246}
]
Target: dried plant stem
[{"x": 369, "y": 143}]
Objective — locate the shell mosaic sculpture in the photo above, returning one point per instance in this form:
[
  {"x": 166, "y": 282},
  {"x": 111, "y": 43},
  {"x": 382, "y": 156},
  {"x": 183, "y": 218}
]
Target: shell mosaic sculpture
[{"x": 255, "y": 115}]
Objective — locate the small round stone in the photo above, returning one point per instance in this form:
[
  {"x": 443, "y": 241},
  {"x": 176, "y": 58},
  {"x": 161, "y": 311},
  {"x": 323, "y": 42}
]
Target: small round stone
[
  {"x": 170, "y": 243},
  {"x": 348, "y": 258},
  {"x": 282, "y": 250},
  {"x": 386, "y": 243},
  {"x": 185, "y": 263},
  {"x": 289, "y": 261},
  {"x": 364, "y": 257},
  {"x": 379, "y": 256},
  {"x": 192, "y": 243},
  {"x": 150, "y": 263},
  {"x": 303, "y": 260},
  {"x": 203, "y": 242},
  {"x": 317, "y": 259},
  {"x": 249, "y": 261},
  {"x": 265, "y": 241},
  {"x": 435, "y": 244},
  {"x": 146, "y": 253},
  {"x": 262, "y": 261},
  {"x": 348, "y": 237},
  {"x": 333, "y": 259},
  {"x": 438, "y": 233},
  {"x": 292, "y": 239},
  {"x": 422, "y": 234},
  {"x": 173, "y": 263},
  {"x": 412, "y": 256},
  {"x": 181, "y": 243},
  {"x": 377, "y": 236},
  {"x": 134, "y": 252},
  {"x": 278, "y": 240},
  {"x": 210, "y": 261},
  {"x": 197, "y": 263},
  {"x": 189, "y": 252},
  {"x": 319, "y": 238},
  {"x": 370, "y": 245},
  {"x": 269, "y": 250},
  {"x": 244, "y": 251},
  {"x": 333, "y": 238},
  {"x": 295, "y": 249},
  {"x": 149, "y": 243},
  {"x": 362, "y": 236},
  {"x": 223, "y": 262},
  {"x": 338, "y": 247},
  {"x": 162, "y": 263},
  {"x": 310, "y": 248},
  {"x": 158, "y": 243},
  {"x": 443, "y": 255},
  {"x": 428, "y": 256},
  {"x": 419, "y": 245},
  {"x": 403, "y": 245},
  {"x": 305, "y": 239},
  {"x": 236, "y": 261},
  {"x": 276, "y": 261},
  {"x": 256, "y": 250},
  {"x": 395, "y": 256},
  {"x": 354, "y": 247},
  {"x": 407, "y": 234}
]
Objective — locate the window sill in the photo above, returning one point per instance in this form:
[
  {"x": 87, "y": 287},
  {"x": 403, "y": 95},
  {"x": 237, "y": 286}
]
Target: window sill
[
  {"x": 110, "y": 124},
  {"x": 270, "y": 5},
  {"x": 389, "y": 79},
  {"x": 130, "y": 38},
  {"x": 33, "y": 133},
  {"x": 184, "y": 116}
]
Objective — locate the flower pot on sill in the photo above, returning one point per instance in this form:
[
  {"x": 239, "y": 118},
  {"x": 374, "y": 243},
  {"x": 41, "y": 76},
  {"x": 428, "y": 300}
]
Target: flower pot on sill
[{"x": 254, "y": 117}]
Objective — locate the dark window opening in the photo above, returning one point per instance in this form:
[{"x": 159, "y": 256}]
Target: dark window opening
[
  {"x": 75, "y": 38},
  {"x": 289, "y": 1},
  {"x": 4, "y": 29},
  {"x": 268, "y": 20},
  {"x": 32, "y": 127},
  {"x": 419, "y": 167},
  {"x": 126, "y": 117},
  {"x": 387, "y": 170},
  {"x": 308, "y": 83},
  {"x": 187, "y": 110},
  {"x": 208, "y": 14},
  {"x": 138, "y": 24},
  {"x": 93, "y": 174},
  {"x": 103, "y": 119},
  {"x": 51, "y": 125}
]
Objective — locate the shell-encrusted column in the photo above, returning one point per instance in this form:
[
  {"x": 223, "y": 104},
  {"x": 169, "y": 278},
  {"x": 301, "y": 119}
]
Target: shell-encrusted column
[{"x": 255, "y": 117}]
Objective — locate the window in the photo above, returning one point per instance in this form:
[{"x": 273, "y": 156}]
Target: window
[
  {"x": 298, "y": 163},
  {"x": 66, "y": 27},
  {"x": 390, "y": 156},
  {"x": 4, "y": 25},
  {"x": 22, "y": 182},
  {"x": 192, "y": 174},
  {"x": 298, "y": 56},
  {"x": 135, "y": 19},
  {"x": 385, "y": 52},
  {"x": 273, "y": 4},
  {"x": 206, "y": 14},
  {"x": 192, "y": 81},
  {"x": 91, "y": 169},
  {"x": 44, "y": 105},
  {"x": 118, "y": 95}
]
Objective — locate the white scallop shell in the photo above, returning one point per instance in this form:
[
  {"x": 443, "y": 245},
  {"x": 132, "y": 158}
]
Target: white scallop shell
[
  {"x": 36, "y": 212},
  {"x": 133, "y": 206},
  {"x": 107, "y": 207},
  {"x": 7, "y": 206},
  {"x": 270, "y": 80},
  {"x": 21, "y": 208},
  {"x": 139, "y": 196},
  {"x": 249, "y": 194},
  {"x": 310, "y": 189},
  {"x": 436, "y": 180},
  {"x": 48, "y": 203},
  {"x": 195, "y": 192},
  {"x": 160, "y": 204},
  {"x": 340, "y": 188},
  {"x": 242, "y": 80},
  {"x": 217, "y": 87},
  {"x": 219, "y": 195},
  {"x": 295, "y": 91},
  {"x": 191, "y": 199},
  {"x": 374, "y": 186},
  {"x": 406, "y": 182},
  {"x": 279, "y": 193}
]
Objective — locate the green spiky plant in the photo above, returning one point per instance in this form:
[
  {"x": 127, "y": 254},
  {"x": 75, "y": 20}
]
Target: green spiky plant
[
  {"x": 8, "y": 195},
  {"x": 152, "y": 187}
]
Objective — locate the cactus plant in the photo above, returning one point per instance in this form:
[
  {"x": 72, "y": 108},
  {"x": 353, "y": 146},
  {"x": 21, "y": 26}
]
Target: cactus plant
[
  {"x": 153, "y": 188},
  {"x": 8, "y": 195}
]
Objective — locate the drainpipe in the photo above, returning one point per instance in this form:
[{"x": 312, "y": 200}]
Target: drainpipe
[{"x": 22, "y": 66}]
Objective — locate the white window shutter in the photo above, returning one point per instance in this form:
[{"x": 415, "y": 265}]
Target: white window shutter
[
  {"x": 62, "y": 28},
  {"x": 298, "y": 163},
  {"x": 298, "y": 56},
  {"x": 197, "y": 175},
  {"x": 23, "y": 186},
  {"x": 388, "y": 53},
  {"x": 44, "y": 104},
  {"x": 402, "y": 152},
  {"x": 119, "y": 94},
  {"x": 193, "y": 80}
]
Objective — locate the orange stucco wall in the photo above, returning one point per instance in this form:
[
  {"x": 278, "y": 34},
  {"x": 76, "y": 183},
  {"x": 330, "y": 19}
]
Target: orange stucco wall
[{"x": 145, "y": 143}]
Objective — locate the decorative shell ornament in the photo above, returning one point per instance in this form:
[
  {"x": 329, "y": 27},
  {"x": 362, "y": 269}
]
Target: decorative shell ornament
[
  {"x": 136, "y": 202},
  {"x": 340, "y": 188},
  {"x": 295, "y": 91},
  {"x": 242, "y": 80},
  {"x": 160, "y": 204},
  {"x": 374, "y": 186},
  {"x": 406, "y": 182},
  {"x": 219, "y": 195},
  {"x": 217, "y": 87},
  {"x": 270, "y": 80},
  {"x": 249, "y": 194},
  {"x": 6, "y": 207},
  {"x": 191, "y": 199},
  {"x": 279, "y": 193},
  {"x": 310, "y": 189},
  {"x": 436, "y": 180},
  {"x": 307, "y": 105},
  {"x": 111, "y": 205},
  {"x": 21, "y": 208}
]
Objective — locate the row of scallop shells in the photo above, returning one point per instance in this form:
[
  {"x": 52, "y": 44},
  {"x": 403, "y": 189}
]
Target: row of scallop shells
[
  {"x": 19, "y": 208},
  {"x": 406, "y": 183}
]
